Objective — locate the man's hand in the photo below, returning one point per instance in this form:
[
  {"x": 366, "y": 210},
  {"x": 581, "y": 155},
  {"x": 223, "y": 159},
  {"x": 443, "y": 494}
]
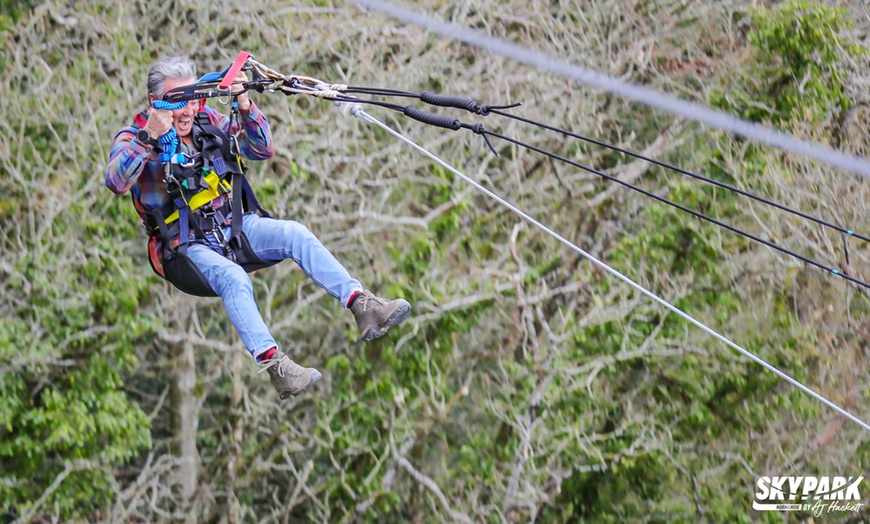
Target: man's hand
[
  {"x": 244, "y": 101},
  {"x": 159, "y": 122}
]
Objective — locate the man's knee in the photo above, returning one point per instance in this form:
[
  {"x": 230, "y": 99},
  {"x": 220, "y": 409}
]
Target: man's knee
[
  {"x": 296, "y": 229},
  {"x": 297, "y": 235},
  {"x": 230, "y": 277}
]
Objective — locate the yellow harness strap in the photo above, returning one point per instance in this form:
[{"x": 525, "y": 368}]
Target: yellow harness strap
[{"x": 215, "y": 184}]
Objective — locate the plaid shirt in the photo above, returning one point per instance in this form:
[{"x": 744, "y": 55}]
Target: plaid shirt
[{"x": 134, "y": 166}]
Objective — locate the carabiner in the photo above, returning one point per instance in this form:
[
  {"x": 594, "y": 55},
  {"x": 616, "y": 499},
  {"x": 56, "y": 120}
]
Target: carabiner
[{"x": 229, "y": 92}]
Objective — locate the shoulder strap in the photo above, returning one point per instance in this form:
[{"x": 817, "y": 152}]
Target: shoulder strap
[{"x": 214, "y": 145}]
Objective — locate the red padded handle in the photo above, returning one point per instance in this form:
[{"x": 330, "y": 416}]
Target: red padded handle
[{"x": 234, "y": 69}]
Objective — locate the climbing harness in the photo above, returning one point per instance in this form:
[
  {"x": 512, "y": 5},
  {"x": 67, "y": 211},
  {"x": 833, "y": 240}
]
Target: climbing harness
[
  {"x": 267, "y": 79},
  {"x": 193, "y": 182}
]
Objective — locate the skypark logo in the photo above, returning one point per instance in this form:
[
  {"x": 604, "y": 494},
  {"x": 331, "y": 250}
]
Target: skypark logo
[{"x": 816, "y": 494}]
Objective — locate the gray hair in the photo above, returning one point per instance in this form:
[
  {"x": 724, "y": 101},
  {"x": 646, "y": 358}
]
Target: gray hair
[{"x": 170, "y": 67}]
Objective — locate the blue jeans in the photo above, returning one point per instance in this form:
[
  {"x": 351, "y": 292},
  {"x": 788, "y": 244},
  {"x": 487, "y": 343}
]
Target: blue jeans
[{"x": 271, "y": 240}]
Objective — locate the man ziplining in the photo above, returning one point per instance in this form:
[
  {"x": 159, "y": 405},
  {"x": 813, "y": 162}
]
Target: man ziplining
[
  {"x": 177, "y": 160},
  {"x": 193, "y": 202}
]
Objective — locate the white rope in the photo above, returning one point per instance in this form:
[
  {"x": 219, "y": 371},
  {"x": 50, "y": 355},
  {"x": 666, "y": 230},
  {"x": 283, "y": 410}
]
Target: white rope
[
  {"x": 645, "y": 95},
  {"x": 357, "y": 111}
]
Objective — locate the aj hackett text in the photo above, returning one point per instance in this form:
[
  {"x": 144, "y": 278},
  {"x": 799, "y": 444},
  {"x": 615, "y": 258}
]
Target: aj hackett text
[{"x": 816, "y": 494}]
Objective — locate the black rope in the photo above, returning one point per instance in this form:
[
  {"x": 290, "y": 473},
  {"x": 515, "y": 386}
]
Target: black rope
[
  {"x": 680, "y": 207},
  {"x": 666, "y": 165},
  {"x": 458, "y": 102},
  {"x": 379, "y": 91},
  {"x": 432, "y": 119},
  {"x": 478, "y": 129},
  {"x": 474, "y": 107}
]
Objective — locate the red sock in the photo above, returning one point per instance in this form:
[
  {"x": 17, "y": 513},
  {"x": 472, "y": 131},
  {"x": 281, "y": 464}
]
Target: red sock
[
  {"x": 268, "y": 354},
  {"x": 353, "y": 298}
]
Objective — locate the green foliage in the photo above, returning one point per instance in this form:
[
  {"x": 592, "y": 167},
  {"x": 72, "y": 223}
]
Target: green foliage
[
  {"x": 366, "y": 384},
  {"x": 671, "y": 240},
  {"x": 11, "y": 11},
  {"x": 63, "y": 398},
  {"x": 803, "y": 36},
  {"x": 72, "y": 326},
  {"x": 794, "y": 69}
]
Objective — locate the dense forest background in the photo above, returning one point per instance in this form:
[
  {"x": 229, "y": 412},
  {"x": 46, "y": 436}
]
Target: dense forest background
[{"x": 527, "y": 385}]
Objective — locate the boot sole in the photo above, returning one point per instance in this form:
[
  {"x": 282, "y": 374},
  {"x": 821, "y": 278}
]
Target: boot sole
[
  {"x": 314, "y": 379},
  {"x": 398, "y": 316}
]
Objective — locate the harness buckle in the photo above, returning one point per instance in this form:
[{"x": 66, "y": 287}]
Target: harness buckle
[
  {"x": 190, "y": 162},
  {"x": 183, "y": 159},
  {"x": 207, "y": 211}
]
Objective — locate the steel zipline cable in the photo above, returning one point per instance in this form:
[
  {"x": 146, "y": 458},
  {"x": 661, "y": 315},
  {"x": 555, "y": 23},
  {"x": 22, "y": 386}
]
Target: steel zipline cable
[{"x": 644, "y": 95}]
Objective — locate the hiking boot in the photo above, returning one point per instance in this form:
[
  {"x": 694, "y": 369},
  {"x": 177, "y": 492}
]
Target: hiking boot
[
  {"x": 288, "y": 377},
  {"x": 374, "y": 316}
]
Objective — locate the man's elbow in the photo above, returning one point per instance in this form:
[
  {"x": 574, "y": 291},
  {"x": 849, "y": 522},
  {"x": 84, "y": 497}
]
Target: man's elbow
[
  {"x": 115, "y": 186},
  {"x": 260, "y": 153}
]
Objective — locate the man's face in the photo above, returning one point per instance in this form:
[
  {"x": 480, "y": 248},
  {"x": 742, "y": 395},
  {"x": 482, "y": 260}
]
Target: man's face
[{"x": 182, "y": 119}]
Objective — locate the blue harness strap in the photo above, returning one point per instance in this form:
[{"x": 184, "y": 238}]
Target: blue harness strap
[{"x": 183, "y": 223}]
